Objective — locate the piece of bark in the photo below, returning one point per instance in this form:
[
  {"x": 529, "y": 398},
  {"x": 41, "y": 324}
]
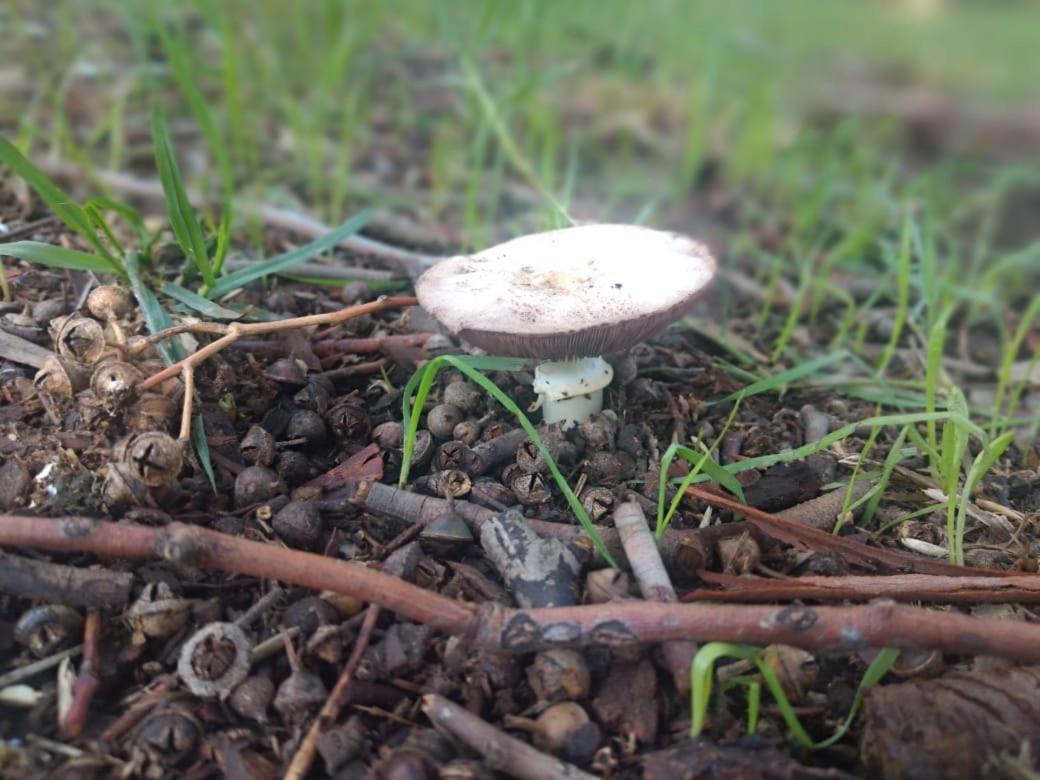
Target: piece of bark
[
  {"x": 502, "y": 752},
  {"x": 961, "y": 725},
  {"x": 822, "y": 511},
  {"x": 1023, "y": 588},
  {"x": 626, "y": 702},
  {"x": 94, "y": 588},
  {"x": 702, "y": 759},
  {"x": 19, "y": 350},
  {"x": 14, "y": 483},
  {"x": 538, "y": 572},
  {"x": 654, "y": 583},
  {"x": 782, "y": 486}
]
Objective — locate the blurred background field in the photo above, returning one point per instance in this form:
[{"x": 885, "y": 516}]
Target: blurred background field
[{"x": 873, "y": 160}]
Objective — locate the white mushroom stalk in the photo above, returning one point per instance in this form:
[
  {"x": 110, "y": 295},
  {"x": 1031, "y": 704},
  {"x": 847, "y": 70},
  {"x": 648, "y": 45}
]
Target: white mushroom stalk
[
  {"x": 570, "y": 391},
  {"x": 568, "y": 297}
]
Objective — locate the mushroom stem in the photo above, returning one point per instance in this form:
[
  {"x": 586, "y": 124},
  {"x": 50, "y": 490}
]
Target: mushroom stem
[{"x": 569, "y": 391}]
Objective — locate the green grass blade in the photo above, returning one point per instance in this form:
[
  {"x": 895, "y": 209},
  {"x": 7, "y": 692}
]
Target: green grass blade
[
  {"x": 183, "y": 221},
  {"x": 179, "y": 58},
  {"x": 64, "y": 207},
  {"x": 56, "y": 256},
  {"x": 903, "y": 264},
  {"x": 274, "y": 265},
  {"x": 201, "y": 443},
  {"x": 785, "y": 378},
  {"x": 155, "y": 316},
  {"x": 203, "y": 306}
]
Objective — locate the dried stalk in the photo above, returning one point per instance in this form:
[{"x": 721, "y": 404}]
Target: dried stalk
[
  {"x": 87, "y": 679},
  {"x": 1018, "y": 588},
  {"x": 94, "y": 588},
  {"x": 301, "y": 762},
  {"x": 794, "y": 532},
  {"x": 654, "y": 583},
  {"x": 237, "y": 330},
  {"x": 501, "y": 752},
  {"x": 499, "y": 629}
]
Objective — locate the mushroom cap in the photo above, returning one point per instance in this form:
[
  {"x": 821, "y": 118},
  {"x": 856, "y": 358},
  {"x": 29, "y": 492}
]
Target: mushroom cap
[{"x": 578, "y": 292}]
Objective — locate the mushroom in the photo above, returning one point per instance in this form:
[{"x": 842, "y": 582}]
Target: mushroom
[{"x": 568, "y": 297}]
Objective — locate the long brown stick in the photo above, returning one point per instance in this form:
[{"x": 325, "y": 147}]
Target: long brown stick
[
  {"x": 792, "y": 532},
  {"x": 1020, "y": 588},
  {"x": 499, "y": 629},
  {"x": 301, "y": 762}
]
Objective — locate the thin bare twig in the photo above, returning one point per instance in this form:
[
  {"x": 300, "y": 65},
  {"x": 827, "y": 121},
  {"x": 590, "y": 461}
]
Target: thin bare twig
[
  {"x": 237, "y": 330},
  {"x": 87, "y": 679},
  {"x": 301, "y": 762},
  {"x": 501, "y": 752}
]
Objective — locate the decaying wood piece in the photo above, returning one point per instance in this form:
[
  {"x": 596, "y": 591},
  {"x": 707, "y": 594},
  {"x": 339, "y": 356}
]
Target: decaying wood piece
[
  {"x": 654, "y": 583},
  {"x": 94, "y": 588},
  {"x": 496, "y": 628},
  {"x": 19, "y": 350},
  {"x": 962, "y": 725},
  {"x": 502, "y": 752},
  {"x": 538, "y": 572},
  {"x": 822, "y": 512},
  {"x": 1020, "y": 588}
]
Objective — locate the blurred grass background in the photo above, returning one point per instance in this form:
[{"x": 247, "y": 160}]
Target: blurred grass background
[{"x": 859, "y": 160}]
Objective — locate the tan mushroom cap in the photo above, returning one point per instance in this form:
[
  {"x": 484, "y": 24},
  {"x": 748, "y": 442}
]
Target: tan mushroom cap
[{"x": 577, "y": 292}]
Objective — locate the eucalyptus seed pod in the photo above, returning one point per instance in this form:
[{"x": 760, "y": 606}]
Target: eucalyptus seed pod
[
  {"x": 307, "y": 425},
  {"x": 168, "y": 737},
  {"x": 388, "y": 435},
  {"x": 151, "y": 411},
  {"x": 252, "y": 697},
  {"x": 530, "y": 489},
  {"x": 257, "y": 447},
  {"x": 81, "y": 339},
  {"x": 287, "y": 371},
  {"x": 113, "y": 381},
  {"x": 462, "y": 396},
  {"x": 255, "y": 485},
  {"x": 423, "y": 449},
  {"x": 442, "y": 419},
  {"x": 293, "y": 467},
  {"x": 157, "y": 612},
  {"x": 316, "y": 395},
  {"x": 598, "y": 502},
  {"x": 445, "y": 484},
  {"x": 153, "y": 457},
  {"x": 299, "y": 695},
  {"x": 308, "y": 614},
  {"x": 121, "y": 490},
  {"x": 600, "y": 430},
  {"x": 47, "y": 629},
  {"x": 300, "y": 524},
  {"x": 350, "y": 421},
  {"x": 215, "y": 659},
  {"x": 61, "y": 377},
  {"x": 610, "y": 467},
  {"x": 466, "y": 432},
  {"x": 795, "y": 669},
  {"x": 559, "y": 674},
  {"x": 109, "y": 302}
]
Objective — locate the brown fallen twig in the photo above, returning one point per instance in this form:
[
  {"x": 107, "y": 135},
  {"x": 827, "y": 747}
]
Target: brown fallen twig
[
  {"x": 792, "y": 532},
  {"x": 499, "y": 629},
  {"x": 356, "y": 346},
  {"x": 94, "y": 588},
  {"x": 301, "y": 762},
  {"x": 86, "y": 679},
  {"x": 234, "y": 331},
  {"x": 1017, "y": 588},
  {"x": 654, "y": 583},
  {"x": 501, "y": 752}
]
